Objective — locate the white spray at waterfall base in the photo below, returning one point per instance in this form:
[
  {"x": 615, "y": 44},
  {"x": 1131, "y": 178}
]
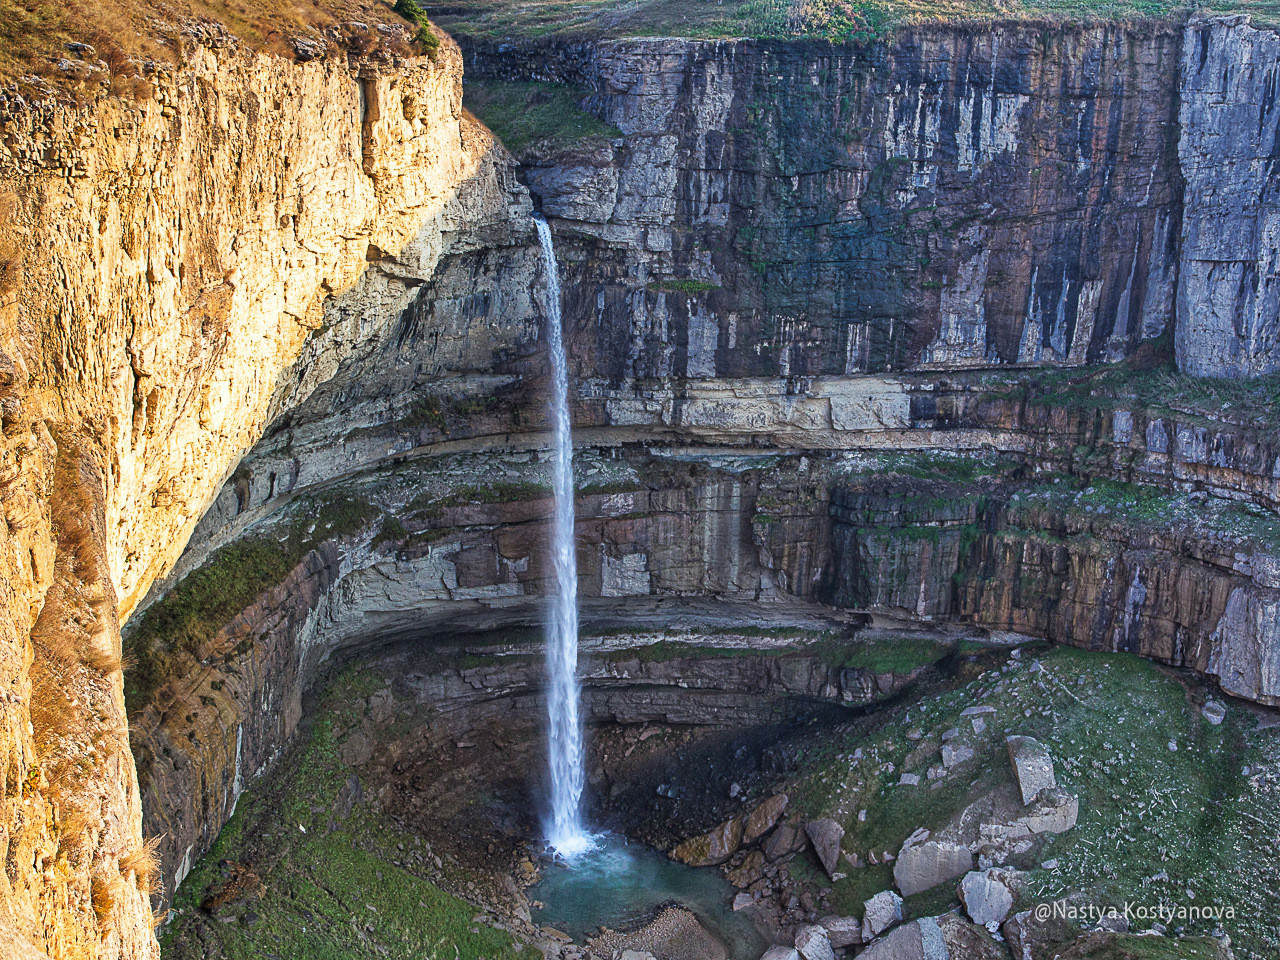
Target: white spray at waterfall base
[{"x": 565, "y": 832}]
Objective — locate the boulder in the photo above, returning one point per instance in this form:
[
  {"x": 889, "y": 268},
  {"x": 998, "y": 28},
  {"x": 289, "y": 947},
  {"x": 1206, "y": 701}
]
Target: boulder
[
  {"x": 1029, "y": 937},
  {"x": 985, "y": 896},
  {"x": 923, "y": 863},
  {"x": 1032, "y": 766},
  {"x": 812, "y": 943},
  {"x": 742, "y": 901},
  {"x": 762, "y": 819},
  {"x": 1056, "y": 811},
  {"x": 951, "y": 756},
  {"x": 842, "y": 931},
  {"x": 968, "y": 941},
  {"x": 880, "y": 913},
  {"x": 712, "y": 848},
  {"x": 825, "y": 835},
  {"x": 786, "y": 838},
  {"x": 919, "y": 940},
  {"x": 748, "y": 872},
  {"x": 781, "y": 953},
  {"x": 1214, "y": 711}
]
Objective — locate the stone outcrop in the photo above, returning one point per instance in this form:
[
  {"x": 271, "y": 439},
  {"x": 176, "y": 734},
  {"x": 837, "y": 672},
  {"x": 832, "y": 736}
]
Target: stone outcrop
[
  {"x": 1228, "y": 301},
  {"x": 179, "y": 254}
]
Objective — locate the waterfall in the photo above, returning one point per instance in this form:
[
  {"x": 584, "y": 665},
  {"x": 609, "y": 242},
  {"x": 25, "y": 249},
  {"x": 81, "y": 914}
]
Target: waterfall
[{"x": 565, "y": 832}]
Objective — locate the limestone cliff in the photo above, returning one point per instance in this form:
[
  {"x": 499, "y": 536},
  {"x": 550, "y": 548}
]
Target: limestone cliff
[{"x": 165, "y": 260}]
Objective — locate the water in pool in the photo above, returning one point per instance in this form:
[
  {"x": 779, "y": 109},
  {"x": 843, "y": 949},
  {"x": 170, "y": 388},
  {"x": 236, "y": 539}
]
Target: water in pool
[{"x": 618, "y": 885}]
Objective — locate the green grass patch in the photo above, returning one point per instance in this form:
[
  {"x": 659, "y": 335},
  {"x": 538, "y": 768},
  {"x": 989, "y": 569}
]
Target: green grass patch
[
  {"x": 328, "y": 894},
  {"x": 1155, "y": 820},
  {"x": 427, "y": 40},
  {"x": 173, "y": 631},
  {"x": 685, "y": 286},
  {"x": 526, "y": 114},
  {"x": 900, "y": 656}
]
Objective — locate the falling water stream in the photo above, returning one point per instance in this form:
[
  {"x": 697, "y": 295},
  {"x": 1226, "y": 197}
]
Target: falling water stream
[{"x": 565, "y": 832}]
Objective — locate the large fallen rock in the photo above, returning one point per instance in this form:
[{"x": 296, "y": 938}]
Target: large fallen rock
[
  {"x": 918, "y": 940},
  {"x": 922, "y": 863},
  {"x": 781, "y": 953},
  {"x": 825, "y": 835},
  {"x": 842, "y": 931},
  {"x": 986, "y": 897},
  {"x": 813, "y": 944},
  {"x": 762, "y": 819},
  {"x": 713, "y": 847},
  {"x": 947, "y": 937},
  {"x": 786, "y": 838},
  {"x": 1032, "y": 766},
  {"x": 968, "y": 941},
  {"x": 881, "y": 912}
]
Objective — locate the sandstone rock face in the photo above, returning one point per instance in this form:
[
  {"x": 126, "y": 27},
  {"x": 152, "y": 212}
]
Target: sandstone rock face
[
  {"x": 1228, "y": 322},
  {"x": 181, "y": 251},
  {"x": 761, "y": 820}
]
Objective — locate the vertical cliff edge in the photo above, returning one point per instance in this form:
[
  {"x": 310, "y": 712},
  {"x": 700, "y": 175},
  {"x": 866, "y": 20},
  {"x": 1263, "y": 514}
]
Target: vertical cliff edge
[{"x": 165, "y": 259}]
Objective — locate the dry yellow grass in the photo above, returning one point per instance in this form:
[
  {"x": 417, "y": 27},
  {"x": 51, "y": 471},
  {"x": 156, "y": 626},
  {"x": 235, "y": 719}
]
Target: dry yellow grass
[
  {"x": 144, "y": 864},
  {"x": 124, "y": 34}
]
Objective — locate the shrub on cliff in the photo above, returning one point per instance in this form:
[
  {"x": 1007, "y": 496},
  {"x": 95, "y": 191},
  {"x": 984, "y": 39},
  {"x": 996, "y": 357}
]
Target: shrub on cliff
[{"x": 429, "y": 42}]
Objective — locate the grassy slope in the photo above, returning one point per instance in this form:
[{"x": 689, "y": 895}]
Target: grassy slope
[
  {"x": 857, "y": 20},
  {"x": 358, "y": 890},
  {"x": 1144, "y": 808}
]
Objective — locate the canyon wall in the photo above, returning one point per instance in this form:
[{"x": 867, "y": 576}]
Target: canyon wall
[
  {"x": 1228, "y": 295},
  {"x": 789, "y": 260},
  {"x": 949, "y": 198},
  {"x": 165, "y": 259},
  {"x": 777, "y": 281}
]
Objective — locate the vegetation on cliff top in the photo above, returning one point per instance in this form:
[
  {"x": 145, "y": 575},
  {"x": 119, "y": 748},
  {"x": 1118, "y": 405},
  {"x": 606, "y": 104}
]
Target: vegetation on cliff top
[
  {"x": 834, "y": 20},
  {"x": 526, "y": 115},
  {"x": 127, "y": 39}
]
